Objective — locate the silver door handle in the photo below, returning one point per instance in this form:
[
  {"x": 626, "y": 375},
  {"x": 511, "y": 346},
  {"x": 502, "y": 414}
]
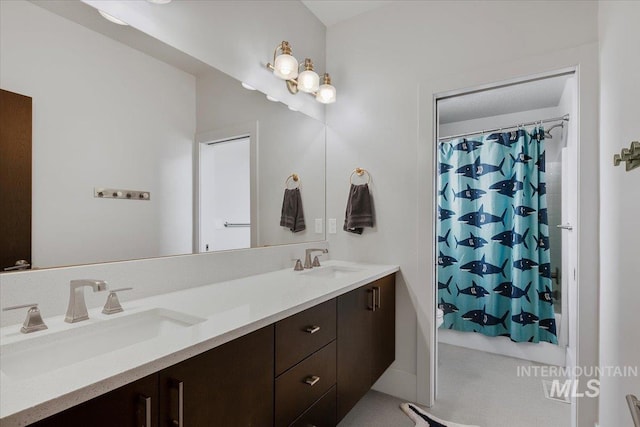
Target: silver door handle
[
  {"x": 312, "y": 329},
  {"x": 179, "y": 385},
  {"x": 565, "y": 226},
  {"x": 377, "y": 295},
  {"x": 21, "y": 264},
  {"x": 372, "y": 307}
]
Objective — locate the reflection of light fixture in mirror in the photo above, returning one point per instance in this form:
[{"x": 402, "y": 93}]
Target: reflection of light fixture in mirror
[
  {"x": 110, "y": 18},
  {"x": 248, "y": 87},
  {"x": 272, "y": 99},
  {"x": 159, "y": 1},
  {"x": 286, "y": 67}
]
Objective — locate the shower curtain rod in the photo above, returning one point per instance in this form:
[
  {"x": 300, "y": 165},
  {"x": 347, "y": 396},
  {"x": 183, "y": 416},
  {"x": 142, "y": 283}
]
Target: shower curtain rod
[{"x": 555, "y": 119}]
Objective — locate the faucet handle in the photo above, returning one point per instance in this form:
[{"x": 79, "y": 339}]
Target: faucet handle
[
  {"x": 33, "y": 321},
  {"x": 113, "y": 304},
  {"x": 316, "y": 261},
  {"x": 298, "y": 266}
]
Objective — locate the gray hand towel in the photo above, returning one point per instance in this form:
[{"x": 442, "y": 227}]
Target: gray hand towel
[
  {"x": 359, "y": 212},
  {"x": 292, "y": 215}
]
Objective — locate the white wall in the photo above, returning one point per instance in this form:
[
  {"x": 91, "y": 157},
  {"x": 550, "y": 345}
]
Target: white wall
[
  {"x": 287, "y": 142},
  {"x": 620, "y": 206},
  {"x": 383, "y": 122},
  {"x": 104, "y": 115},
  {"x": 236, "y": 37}
]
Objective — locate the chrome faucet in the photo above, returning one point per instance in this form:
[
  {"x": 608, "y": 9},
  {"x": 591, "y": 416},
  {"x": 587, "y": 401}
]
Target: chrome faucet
[
  {"x": 77, "y": 310},
  {"x": 307, "y": 257}
]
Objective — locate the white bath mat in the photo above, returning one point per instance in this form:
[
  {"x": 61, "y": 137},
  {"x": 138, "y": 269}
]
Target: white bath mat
[{"x": 425, "y": 419}]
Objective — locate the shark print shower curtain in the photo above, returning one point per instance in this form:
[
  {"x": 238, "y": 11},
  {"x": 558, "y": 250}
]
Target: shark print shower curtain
[{"x": 494, "y": 274}]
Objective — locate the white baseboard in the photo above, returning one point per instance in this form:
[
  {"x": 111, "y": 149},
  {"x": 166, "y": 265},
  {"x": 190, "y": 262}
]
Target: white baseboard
[{"x": 400, "y": 384}]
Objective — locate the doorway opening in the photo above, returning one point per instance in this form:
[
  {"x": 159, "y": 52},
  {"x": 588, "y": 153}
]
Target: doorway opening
[
  {"x": 224, "y": 208},
  {"x": 506, "y": 197}
]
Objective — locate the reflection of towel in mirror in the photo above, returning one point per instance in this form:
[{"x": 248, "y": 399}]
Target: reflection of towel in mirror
[
  {"x": 292, "y": 214},
  {"x": 359, "y": 209}
]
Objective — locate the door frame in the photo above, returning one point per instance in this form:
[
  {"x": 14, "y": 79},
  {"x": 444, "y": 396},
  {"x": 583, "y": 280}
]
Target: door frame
[
  {"x": 246, "y": 129},
  {"x": 572, "y": 71},
  {"x": 585, "y": 60}
]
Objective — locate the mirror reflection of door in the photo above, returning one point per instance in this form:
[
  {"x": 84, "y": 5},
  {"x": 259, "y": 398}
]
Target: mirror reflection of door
[
  {"x": 225, "y": 195},
  {"x": 15, "y": 181}
]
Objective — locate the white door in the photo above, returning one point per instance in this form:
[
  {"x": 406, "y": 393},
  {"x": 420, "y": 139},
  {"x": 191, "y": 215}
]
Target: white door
[{"x": 224, "y": 220}]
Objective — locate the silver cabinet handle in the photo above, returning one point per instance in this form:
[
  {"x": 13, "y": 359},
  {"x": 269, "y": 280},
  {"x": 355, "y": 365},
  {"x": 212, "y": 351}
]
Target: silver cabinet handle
[
  {"x": 377, "y": 295},
  {"x": 145, "y": 403},
  {"x": 312, "y": 380},
  {"x": 372, "y": 307},
  {"x": 312, "y": 329},
  {"x": 179, "y": 420},
  {"x": 565, "y": 226}
]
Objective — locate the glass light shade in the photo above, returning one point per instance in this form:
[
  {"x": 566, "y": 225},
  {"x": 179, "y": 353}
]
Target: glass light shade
[
  {"x": 326, "y": 94},
  {"x": 286, "y": 67},
  {"x": 308, "y": 81}
]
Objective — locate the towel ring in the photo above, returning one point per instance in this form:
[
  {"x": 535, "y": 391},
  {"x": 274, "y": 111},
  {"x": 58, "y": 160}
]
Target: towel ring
[
  {"x": 360, "y": 172},
  {"x": 293, "y": 177}
]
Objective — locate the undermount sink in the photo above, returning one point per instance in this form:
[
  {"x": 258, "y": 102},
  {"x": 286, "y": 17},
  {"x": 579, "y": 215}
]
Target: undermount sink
[
  {"x": 37, "y": 355},
  {"x": 331, "y": 271}
]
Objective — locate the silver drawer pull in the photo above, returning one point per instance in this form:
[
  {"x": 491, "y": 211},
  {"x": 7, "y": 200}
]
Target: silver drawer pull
[
  {"x": 312, "y": 329},
  {"x": 144, "y": 419},
  {"x": 312, "y": 380}
]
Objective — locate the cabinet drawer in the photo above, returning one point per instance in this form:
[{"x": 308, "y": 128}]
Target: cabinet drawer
[
  {"x": 301, "y": 334},
  {"x": 293, "y": 392},
  {"x": 321, "y": 414}
]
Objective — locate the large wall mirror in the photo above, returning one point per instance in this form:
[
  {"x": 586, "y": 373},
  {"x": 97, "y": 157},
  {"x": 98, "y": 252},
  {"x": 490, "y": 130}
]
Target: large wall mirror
[{"x": 113, "y": 108}]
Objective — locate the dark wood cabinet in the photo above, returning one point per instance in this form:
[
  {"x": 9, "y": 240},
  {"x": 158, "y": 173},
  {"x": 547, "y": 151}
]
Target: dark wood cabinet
[
  {"x": 300, "y": 335},
  {"x": 133, "y": 405},
  {"x": 231, "y": 385},
  {"x": 366, "y": 340},
  {"x": 321, "y": 414},
  {"x": 309, "y": 369}
]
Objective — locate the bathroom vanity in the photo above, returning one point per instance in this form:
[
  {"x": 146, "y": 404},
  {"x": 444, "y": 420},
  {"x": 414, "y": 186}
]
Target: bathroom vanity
[{"x": 281, "y": 348}]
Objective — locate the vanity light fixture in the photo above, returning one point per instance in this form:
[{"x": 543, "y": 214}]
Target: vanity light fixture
[
  {"x": 110, "y": 18},
  {"x": 248, "y": 87},
  {"x": 159, "y": 1},
  {"x": 286, "y": 67}
]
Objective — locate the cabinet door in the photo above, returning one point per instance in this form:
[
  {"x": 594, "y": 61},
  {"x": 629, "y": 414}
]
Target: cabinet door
[
  {"x": 354, "y": 344},
  {"x": 231, "y": 385},
  {"x": 384, "y": 326},
  {"x": 133, "y": 405}
]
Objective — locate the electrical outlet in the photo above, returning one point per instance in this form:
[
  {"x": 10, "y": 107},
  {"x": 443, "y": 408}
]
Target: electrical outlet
[
  {"x": 332, "y": 226},
  {"x": 318, "y": 225}
]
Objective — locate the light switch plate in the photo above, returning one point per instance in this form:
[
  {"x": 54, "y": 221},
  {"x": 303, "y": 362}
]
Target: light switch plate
[
  {"x": 319, "y": 225},
  {"x": 332, "y": 226}
]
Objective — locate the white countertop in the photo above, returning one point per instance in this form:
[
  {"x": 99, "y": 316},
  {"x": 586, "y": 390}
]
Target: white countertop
[{"x": 229, "y": 310}]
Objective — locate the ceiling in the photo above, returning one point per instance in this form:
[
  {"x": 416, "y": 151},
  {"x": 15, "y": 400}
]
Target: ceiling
[
  {"x": 330, "y": 12},
  {"x": 534, "y": 95}
]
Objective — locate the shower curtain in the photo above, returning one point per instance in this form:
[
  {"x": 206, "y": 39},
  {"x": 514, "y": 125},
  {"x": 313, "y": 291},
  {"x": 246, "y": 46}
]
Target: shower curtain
[{"x": 494, "y": 274}]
